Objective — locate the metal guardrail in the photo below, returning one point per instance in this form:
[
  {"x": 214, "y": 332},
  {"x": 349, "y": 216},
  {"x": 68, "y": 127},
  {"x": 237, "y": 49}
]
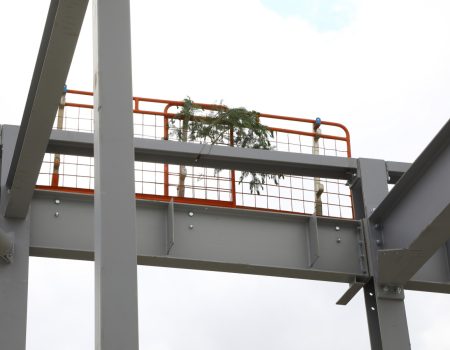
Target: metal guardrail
[{"x": 156, "y": 181}]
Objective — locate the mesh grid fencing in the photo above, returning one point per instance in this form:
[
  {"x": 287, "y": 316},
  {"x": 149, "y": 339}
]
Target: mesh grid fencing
[{"x": 151, "y": 119}]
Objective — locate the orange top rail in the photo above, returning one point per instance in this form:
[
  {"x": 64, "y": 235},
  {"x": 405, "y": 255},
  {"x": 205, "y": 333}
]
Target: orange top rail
[{"x": 170, "y": 103}]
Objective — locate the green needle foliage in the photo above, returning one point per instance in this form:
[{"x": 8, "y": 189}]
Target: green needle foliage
[{"x": 236, "y": 126}]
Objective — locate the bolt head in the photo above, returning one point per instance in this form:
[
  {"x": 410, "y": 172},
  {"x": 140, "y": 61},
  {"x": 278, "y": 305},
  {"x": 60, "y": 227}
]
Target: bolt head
[
  {"x": 57, "y": 201},
  {"x": 191, "y": 227},
  {"x": 338, "y": 240},
  {"x": 191, "y": 214},
  {"x": 338, "y": 228},
  {"x": 56, "y": 214}
]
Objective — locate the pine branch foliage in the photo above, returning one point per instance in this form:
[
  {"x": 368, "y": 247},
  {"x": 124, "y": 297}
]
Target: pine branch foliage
[{"x": 236, "y": 126}]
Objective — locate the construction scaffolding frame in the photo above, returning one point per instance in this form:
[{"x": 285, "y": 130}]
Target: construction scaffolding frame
[{"x": 392, "y": 243}]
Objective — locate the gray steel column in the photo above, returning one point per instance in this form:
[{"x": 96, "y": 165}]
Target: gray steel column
[
  {"x": 115, "y": 205},
  {"x": 13, "y": 274},
  {"x": 385, "y": 308}
]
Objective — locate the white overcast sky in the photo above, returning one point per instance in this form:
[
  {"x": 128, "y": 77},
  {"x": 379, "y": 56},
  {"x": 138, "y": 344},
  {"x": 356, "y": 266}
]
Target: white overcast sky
[{"x": 379, "y": 67}]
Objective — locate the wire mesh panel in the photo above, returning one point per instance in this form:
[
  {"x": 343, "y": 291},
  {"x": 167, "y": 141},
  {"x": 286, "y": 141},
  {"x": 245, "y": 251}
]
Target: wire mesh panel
[
  {"x": 159, "y": 119},
  {"x": 201, "y": 183},
  {"x": 74, "y": 172},
  {"x": 296, "y": 194}
]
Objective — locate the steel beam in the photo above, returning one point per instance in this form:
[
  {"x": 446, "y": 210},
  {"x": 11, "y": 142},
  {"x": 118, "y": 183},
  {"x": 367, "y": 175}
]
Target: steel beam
[
  {"x": 81, "y": 144},
  {"x": 173, "y": 152},
  {"x": 75, "y": 143},
  {"x": 265, "y": 235},
  {"x": 52, "y": 66},
  {"x": 115, "y": 207},
  {"x": 396, "y": 170},
  {"x": 386, "y": 315},
  {"x": 353, "y": 289},
  {"x": 206, "y": 238},
  {"x": 414, "y": 219},
  {"x": 433, "y": 277},
  {"x": 14, "y": 266}
]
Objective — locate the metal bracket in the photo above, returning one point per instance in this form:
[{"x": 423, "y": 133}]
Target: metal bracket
[
  {"x": 170, "y": 234},
  {"x": 6, "y": 246},
  {"x": 354, "y": 287},
  {"x": 362, "y": 246},
  {"x": 312, "y": 239},
  {"x": 396, "y": 266},
  {"x": 390, "y": 292},
  {"x": 353, "y": 180}
]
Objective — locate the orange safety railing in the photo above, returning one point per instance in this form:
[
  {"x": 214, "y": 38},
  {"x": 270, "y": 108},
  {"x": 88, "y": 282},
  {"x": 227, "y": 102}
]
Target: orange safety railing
[{"x": 205, "y": 186}]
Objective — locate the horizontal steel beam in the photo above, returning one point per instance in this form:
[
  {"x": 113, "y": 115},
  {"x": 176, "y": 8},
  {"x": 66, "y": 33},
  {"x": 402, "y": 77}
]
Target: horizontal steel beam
[
  {"x": 414, "y": 218},
  {"x": 396, "y": 170},
  {"x": 52, "y": 66},
  {"x": 81, "y": 144},
  {"x": 207, "y": 238},
  {"x": 222, "y": 157},
  {"x": 75, "y": 143},
  {"x": 220, "y": 239}
]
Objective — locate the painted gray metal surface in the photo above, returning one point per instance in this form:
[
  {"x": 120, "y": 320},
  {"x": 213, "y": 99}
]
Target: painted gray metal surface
[
  {"x": 414, "y": 218},
  {"x": 221, "y": 239},
  {"x": 59, "y": 240},
  {"x": 170, "y": 234},
  {"x": 403, "y": 245},
  {"x": 396, "y": 170},
  {"x": 66, "y": 237},
  {"x": 55, "y": 56},
  {"x": 386, "y": 315},
  {"x": 13, "y": 275},
  {"x": 312, "y": 239},
  {"x": 6, "y": 245},
  {"x": 116, "y": 308},
  {"x": 77, "y": 143},
  {"x": 433, "y": 276},
  {"x": 173, "y": 152},
  {"x": 354, "y": 287},
  {"x": 73, "y": 245}
]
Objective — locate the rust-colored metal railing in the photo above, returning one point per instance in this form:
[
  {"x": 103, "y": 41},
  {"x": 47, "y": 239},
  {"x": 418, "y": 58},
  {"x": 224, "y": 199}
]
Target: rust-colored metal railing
[{"x": 152, "y": 119}]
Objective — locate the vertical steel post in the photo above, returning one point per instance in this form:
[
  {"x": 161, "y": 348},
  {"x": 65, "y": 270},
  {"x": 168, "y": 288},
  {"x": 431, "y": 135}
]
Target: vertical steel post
[
  {"x": 115, "y": 205},
  {"x": 386, "y": 315},
  {"x": 13, "y": 275}
]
